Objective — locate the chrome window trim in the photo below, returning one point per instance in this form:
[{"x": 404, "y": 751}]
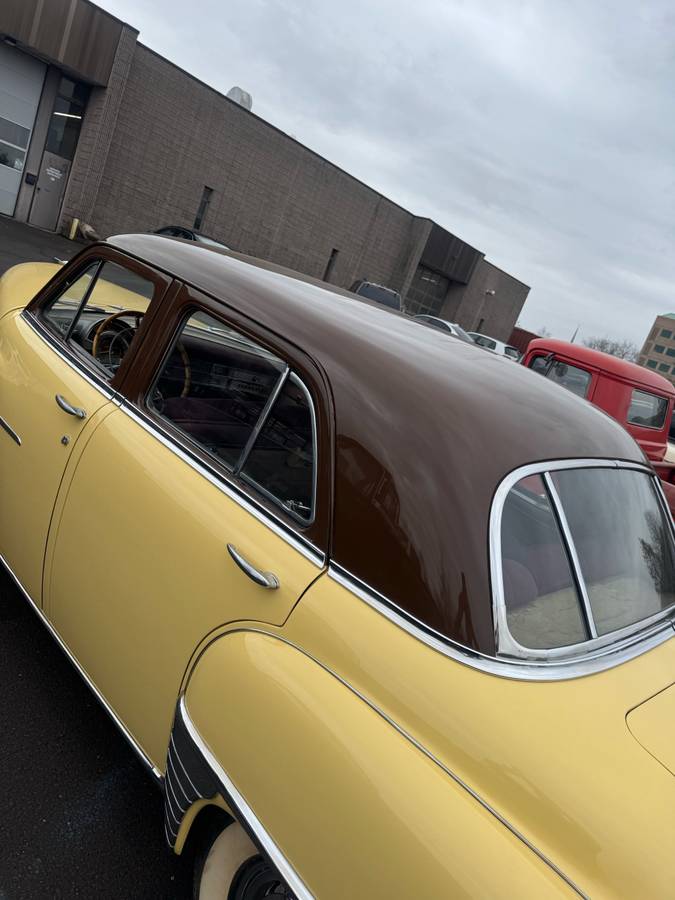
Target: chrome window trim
[
  {"x": 62, "y": 350},
  {"x": 627, "y": 638},
  {"x": 292, "y": 376},
  {"x": 559, "y": 512},
  {"x": 531, "y": 668},
  {"x": 90, "y": 684},
  {"x": 215, "y": 477},
  {"x": 236, "y": 471},
  {"x": 238, "y": 801}
]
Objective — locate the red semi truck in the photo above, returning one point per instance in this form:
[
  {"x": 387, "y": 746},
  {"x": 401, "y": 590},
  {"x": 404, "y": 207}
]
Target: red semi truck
[{"x": 639, "y": 399}]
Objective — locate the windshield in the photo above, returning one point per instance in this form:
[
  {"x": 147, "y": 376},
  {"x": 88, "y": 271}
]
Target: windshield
[{"x": 585, "y": 552}]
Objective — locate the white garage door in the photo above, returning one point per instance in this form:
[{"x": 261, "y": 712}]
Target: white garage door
[{"x": 21, "y": 79}]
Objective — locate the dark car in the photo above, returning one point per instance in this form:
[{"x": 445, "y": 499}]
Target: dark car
[
  {"x": 377, "y": 292},
  {"x": 189, "y": 234},
  {"x": 443, "y": 325}
]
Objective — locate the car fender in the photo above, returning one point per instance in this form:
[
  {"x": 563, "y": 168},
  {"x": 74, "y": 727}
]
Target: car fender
[
  {"x": 21, "y": 283},
  {"x": 342, "y": 801}
]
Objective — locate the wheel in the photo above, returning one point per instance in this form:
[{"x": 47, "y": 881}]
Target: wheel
[{"x": 228, "y": 866}]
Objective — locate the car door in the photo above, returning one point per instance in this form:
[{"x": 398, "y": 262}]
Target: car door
[
  {"x": 52, "y": 392},
  {"x": 167, "y": 533}
]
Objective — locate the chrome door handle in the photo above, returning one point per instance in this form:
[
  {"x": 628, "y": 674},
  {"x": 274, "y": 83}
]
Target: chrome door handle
[
  {"x": 264, "y": 579},
  {"x": 69, "y": 408}
]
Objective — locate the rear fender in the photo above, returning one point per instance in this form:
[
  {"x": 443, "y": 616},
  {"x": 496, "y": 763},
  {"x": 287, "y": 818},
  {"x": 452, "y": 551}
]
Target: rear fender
[{"x": 341, "y": 800}]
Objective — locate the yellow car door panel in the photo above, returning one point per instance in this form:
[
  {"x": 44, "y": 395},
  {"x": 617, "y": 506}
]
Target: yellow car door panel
[
  {"x": 32, "y": 376},
  {"x": 138, "y": 570}
]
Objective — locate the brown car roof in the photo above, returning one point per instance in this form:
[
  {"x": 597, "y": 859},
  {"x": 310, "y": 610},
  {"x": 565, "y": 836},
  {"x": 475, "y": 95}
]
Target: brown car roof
[{"x": 426, "y": 427}]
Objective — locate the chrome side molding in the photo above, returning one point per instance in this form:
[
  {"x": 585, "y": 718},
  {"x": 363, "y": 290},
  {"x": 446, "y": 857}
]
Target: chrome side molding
[{"x": 7, "y": 428}]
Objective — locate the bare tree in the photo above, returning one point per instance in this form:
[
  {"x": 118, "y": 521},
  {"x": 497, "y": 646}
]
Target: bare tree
[
  {"x": 623, "y": 349},
  {"x": 543, "y": 332}
]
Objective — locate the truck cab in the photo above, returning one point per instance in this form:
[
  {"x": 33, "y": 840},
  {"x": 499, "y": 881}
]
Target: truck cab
[{"x": 640, "y": 400}]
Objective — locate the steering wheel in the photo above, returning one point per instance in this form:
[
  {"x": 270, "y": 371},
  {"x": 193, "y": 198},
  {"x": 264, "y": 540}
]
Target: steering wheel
[{"x": 137, "y": 315}]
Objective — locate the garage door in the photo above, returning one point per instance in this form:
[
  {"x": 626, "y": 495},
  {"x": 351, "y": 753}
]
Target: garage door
[{"x": 21, "y": 79}]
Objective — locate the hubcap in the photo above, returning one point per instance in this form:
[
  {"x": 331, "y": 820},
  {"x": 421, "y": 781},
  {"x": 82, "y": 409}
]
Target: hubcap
[{"x": 256, "y": 879}]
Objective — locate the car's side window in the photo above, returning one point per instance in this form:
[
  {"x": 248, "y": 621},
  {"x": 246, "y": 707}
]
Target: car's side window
[
  {"x": 100, "y": 311},
  {"x": 570, "y": 377},
  {"x": 281, "y": 461},
  {"x": 241, "y": 404},
  {"x": 647, "y": 410}
]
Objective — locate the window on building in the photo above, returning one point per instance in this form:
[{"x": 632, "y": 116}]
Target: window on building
[
  {"x": 664, "y": 367},
  {"x": 66, "y": 120},
  {"x": 651, "y": 363},
  {"x": 203, "y": 206},
  {"x": 665, "y": 333},
  {"x": 659, "y": 348},
  {"x": 330, "y": 265},
  {"x": 670, "y": 351},
  {"x": 13, "y": 144}
]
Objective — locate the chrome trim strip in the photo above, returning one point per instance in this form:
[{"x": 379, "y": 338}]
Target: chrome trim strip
[
  {"x": 572, "y": 554},
  {"x": 220, "y": 773},
  {"x": 172, "y": 745},
  {"x": 71, "y": 360},
  {"x": 287, "y": 872},
  {"x": 527, "y": 669},
  {"x": 90, "y": 684},
  {"x": 258, "y": 427},
  {"x": 6, "y": 427},
  {"x": 307, "y": 549}
]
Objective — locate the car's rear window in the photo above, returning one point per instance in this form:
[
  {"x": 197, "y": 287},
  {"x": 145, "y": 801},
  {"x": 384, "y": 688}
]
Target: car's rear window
[
  {"x": 584, "y": 552},
  {"x": 380, "y": 295},
  {"x": 647, "y": 410}
]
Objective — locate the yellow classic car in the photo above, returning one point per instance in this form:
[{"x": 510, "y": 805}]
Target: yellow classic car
[{"x": 383, "y": 615}]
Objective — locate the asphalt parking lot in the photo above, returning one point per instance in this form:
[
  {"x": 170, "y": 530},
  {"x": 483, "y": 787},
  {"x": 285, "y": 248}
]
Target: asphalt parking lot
[{"x": 79, "y": 816}]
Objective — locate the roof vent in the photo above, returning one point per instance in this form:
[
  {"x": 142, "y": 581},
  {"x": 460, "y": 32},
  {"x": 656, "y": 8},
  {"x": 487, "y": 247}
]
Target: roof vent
[{"x": 240, "y": 96}]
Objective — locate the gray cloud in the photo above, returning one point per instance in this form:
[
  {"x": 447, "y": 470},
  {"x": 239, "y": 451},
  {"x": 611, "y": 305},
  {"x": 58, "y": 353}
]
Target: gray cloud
[{"x": 541, "y": 132}]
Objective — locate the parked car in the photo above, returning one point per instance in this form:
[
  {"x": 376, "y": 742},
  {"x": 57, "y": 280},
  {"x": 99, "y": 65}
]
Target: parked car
[
  {"x": 484, "y": 340},
  {"x": 377, "y": 292},
  {"x": 639, "y": 399},
  {"x": 443, "y": 325},
  {"x": 363, "y": 655},
  {"x": 189, "y": 234}
]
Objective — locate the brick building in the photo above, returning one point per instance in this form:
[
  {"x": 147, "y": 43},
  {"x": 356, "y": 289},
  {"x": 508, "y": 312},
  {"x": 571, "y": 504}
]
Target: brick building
[
  {"x": 96, "y": 126},
  {"x": 658, "y": 350}
]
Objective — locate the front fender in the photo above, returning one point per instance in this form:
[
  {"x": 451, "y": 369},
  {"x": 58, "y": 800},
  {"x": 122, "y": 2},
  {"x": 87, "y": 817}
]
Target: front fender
[
  {"x": 343, "y": 802},
  {"x": 21, "y": 283}
]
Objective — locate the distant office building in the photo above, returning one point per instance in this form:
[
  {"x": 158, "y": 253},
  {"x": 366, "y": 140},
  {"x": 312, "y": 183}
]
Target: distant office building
[
  {"x": 658, "y": 351},
  {"x": 98, "y": 127}
]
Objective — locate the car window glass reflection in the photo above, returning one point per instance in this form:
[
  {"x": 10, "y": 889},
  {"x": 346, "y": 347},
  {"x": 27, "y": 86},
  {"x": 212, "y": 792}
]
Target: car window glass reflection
[
  {"x": 214, "y": 386},
  {"x": 281, "y": 460},
  {"x": 542, "y": 605},
  {"x": 623, "y": 542},
  {"x": 101, "y": 311}
]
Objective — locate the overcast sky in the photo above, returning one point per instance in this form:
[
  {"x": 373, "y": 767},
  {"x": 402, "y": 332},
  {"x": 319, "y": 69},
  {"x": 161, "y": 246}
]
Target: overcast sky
[{"x": 541, "y": 131}]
